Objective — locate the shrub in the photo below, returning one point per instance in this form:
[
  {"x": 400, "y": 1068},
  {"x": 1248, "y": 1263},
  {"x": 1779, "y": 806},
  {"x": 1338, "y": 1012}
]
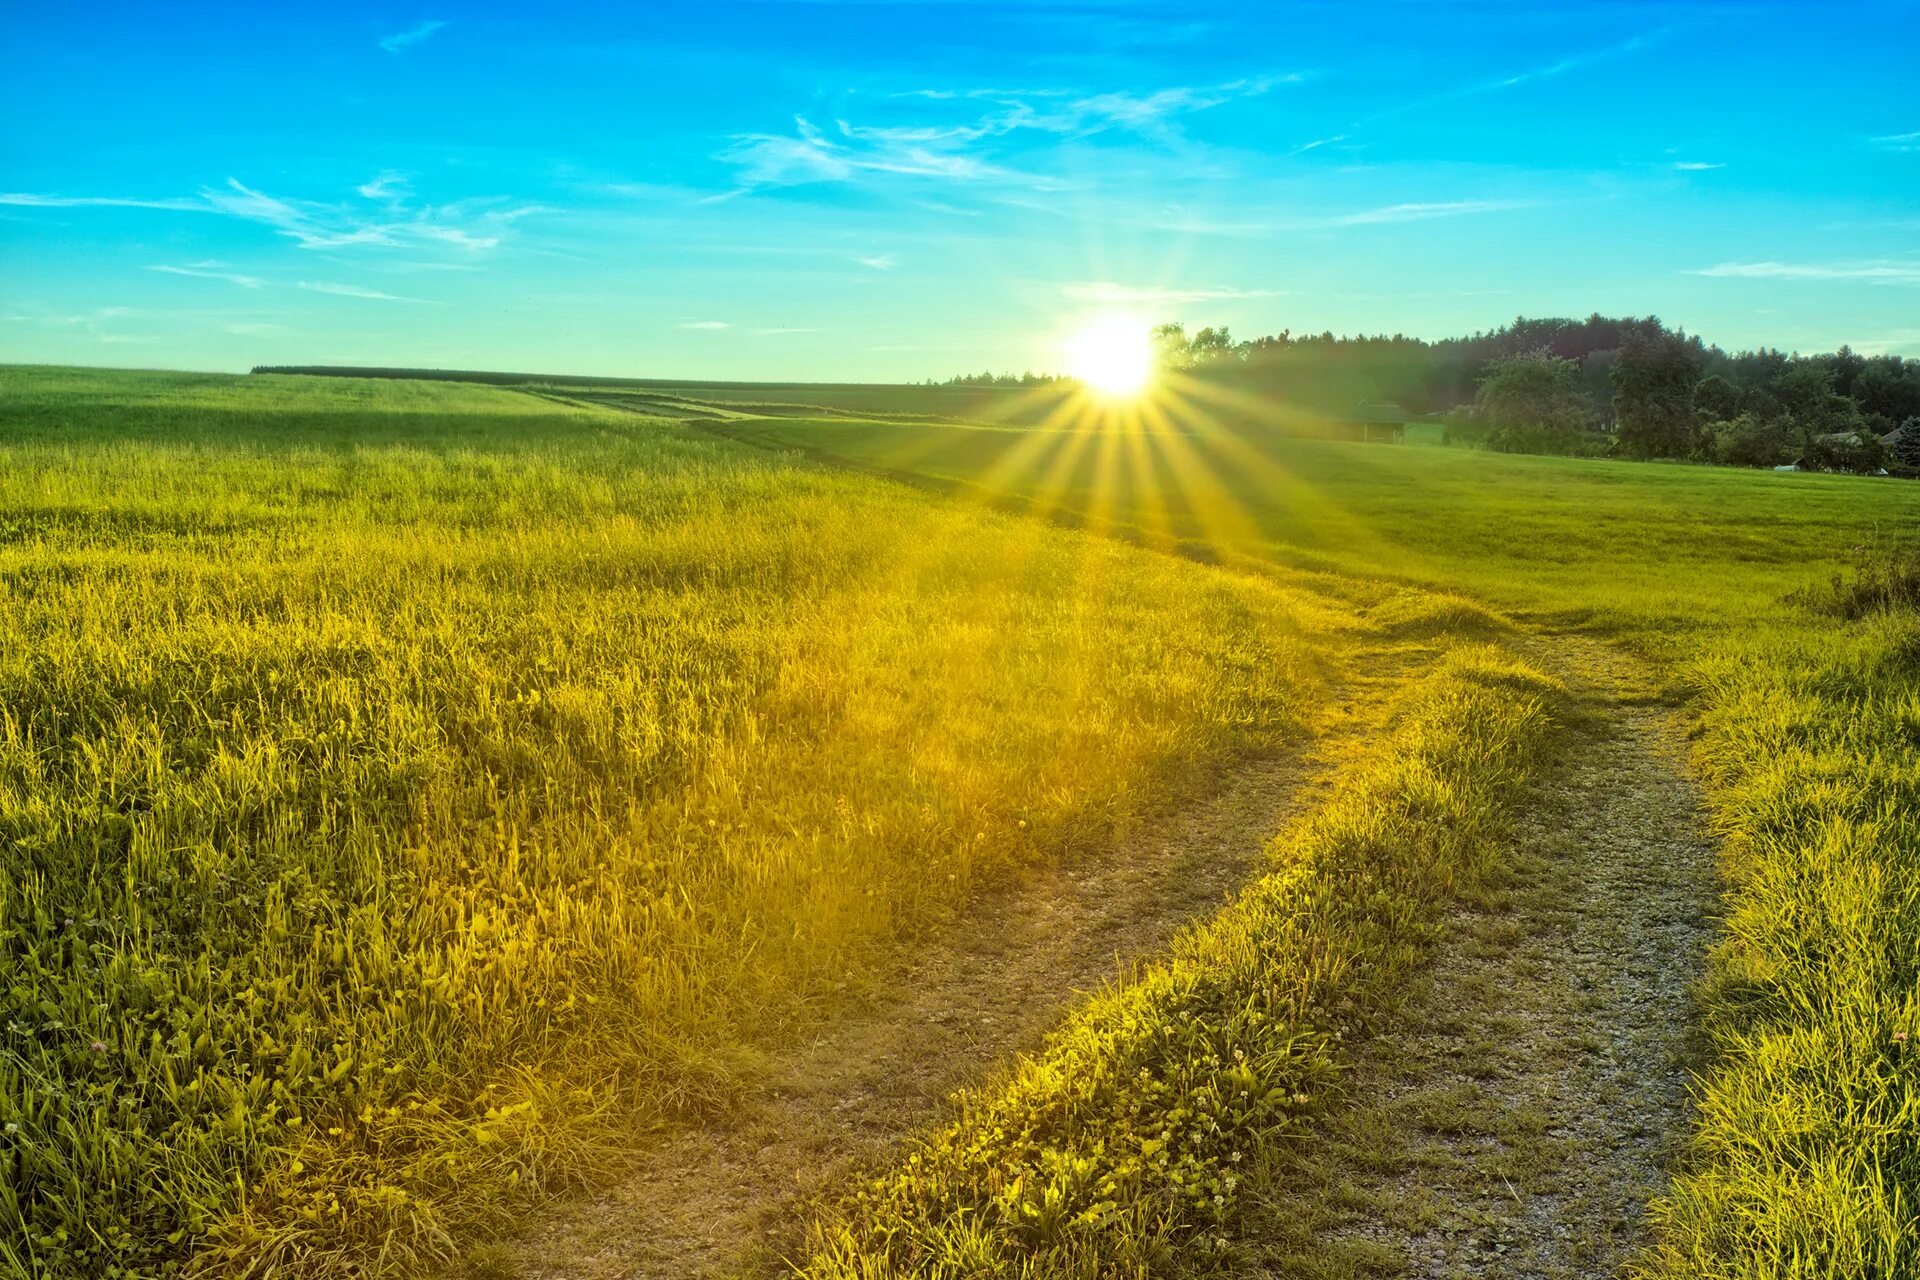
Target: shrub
[
  {"x": 1748, "y": 441},
  {"x": 1884, "y": 576},
  {"x": 1461, "y": 427},
  {"x": 1860, "y": 452}
]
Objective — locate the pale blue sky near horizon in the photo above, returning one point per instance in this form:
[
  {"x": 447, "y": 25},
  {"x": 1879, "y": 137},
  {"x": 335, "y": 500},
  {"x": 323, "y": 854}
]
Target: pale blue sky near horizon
[{"x": 881, "y": 190}]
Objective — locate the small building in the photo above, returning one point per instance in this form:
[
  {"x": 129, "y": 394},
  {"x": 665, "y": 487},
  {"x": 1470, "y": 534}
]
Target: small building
[{"x": 1367, "y": 424}]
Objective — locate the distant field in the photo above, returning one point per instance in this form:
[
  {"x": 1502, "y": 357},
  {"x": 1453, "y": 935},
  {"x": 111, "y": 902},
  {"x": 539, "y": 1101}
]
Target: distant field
[
  {"x": 970, "y": 403},
  {"x": 1782, "y": 606},
  {"x": 1659, "y": 543}
]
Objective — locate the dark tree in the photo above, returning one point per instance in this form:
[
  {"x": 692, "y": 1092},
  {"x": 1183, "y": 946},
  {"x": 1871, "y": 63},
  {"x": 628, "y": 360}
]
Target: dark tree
[
  {"x": 1906, "y": 444},
  {"x": 1211, "y": 347},
  {"x": 1747, "y": 441},
  {"x": 1534, "y": 403},
  {"x": 1716, "y": 398},
  {"x": 1653, "y": 394}
]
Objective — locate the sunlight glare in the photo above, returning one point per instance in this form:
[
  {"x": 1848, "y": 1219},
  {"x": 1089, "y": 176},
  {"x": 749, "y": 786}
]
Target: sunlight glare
[{"x": 1113, "y": 355}]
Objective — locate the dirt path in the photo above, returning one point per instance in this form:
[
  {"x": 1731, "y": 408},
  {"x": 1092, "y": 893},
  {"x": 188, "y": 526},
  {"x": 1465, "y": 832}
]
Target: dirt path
[
  {"x": 1006, "y": 976},
  {"x": 1514, "y": 1124},
  {"x": 1520, "y": 1118}
]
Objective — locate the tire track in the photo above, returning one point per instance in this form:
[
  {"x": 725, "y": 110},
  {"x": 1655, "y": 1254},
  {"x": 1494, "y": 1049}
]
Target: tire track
[{"x": 1519, "y": 1114}]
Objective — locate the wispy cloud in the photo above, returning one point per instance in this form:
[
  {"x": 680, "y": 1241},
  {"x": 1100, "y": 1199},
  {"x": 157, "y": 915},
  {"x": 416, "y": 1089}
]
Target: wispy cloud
[
  {"x": 949, "y": 95},
  {"x": 469, "y": 225},
  {"x": 1564, "y": 65},
  {"x": 356, "y": 291},
  {"x": 84, "y": 319},
  {"x": 94, "y": 323},
  {"x": 706, "y": 324},
  {"x": 1872, "y": 271},
  {"x": 1195, "y": 223},
  {"x": 214, "y": 271},
  {"x": 1897, "y": 141},
  {"x": 1315, "y": 145},
  {"x": 879, "y": 261},
  {"x": 401, "y": 41},
  {"x": 210, "y": 271},
  {"x": 1417, "y": 212},
  {"x": 388, "y": 186},
  {"x": 1110, "y": 293},
  {"x": 810, "y": 155},
  {"x": 114, "y": 202},
  {"x": 965, "y": 150},
  {"x": 1546, "y": 71},
  {"x": 1696, "y": 166}
]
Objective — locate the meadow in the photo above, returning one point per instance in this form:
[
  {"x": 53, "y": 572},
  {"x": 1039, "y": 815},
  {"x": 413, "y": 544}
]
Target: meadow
[
  {"x": 1778, "y": 609},
  {"x": 415, "y": 794},
  {"x": 412, "y": 791}
]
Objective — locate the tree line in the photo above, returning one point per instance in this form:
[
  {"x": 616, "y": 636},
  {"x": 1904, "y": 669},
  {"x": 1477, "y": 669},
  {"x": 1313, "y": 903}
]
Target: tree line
[{"x": 1628, "y": 386}]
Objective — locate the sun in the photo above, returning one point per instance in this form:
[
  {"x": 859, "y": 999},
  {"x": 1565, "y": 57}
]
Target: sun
[{"x": 1113, "y": 356}]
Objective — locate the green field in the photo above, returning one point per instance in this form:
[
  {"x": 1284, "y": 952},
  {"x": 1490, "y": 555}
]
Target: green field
[
  {"x": 1779, "y": 606},
  {"x": 415, "y": 794},
  {"x": 405, "y": 784}
]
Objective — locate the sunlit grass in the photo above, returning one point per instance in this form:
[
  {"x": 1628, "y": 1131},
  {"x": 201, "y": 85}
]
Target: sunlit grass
[
  {"x": 403, "y": 786},
  {"x": 1808, "y": 702},
  {"x": 1126, "y": 1142}
]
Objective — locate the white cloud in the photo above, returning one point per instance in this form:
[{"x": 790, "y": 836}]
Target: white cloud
[
  {"x": 775, "y": 160},
  {"x": 1421, "y": 212},
  {"x": 879, "y": 261},
  {"x": 388, "y": 186},
  {"x": 1872, "y": 271},
  {"x": 706, "y": 324},
  {"x": 1897, "y": 141},
  {"x": 473, "y": 226},
  {"x": 1191, "y": 223},
  {"x": 210, "y": 271},
  {"x": 77, "y": 202},
  {"x": 355, "y": 291},
  {"x": 1109, "y": 293},
  {"x": 90, "y": 322},
  {"x": 1317, "y": 143},
  {"x": 952, "y": 150},
  {"x": 1696, "y": 166},
  {"x": 1547, "y": 71},
  {"x": 400, "y": 41}
]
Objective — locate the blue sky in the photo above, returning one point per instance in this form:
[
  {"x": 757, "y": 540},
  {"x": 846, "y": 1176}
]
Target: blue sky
[{"x": 873, "y": 190}]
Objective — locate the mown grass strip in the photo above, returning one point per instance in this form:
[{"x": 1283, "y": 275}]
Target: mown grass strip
[{"x": 1123, "y": 1140}]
